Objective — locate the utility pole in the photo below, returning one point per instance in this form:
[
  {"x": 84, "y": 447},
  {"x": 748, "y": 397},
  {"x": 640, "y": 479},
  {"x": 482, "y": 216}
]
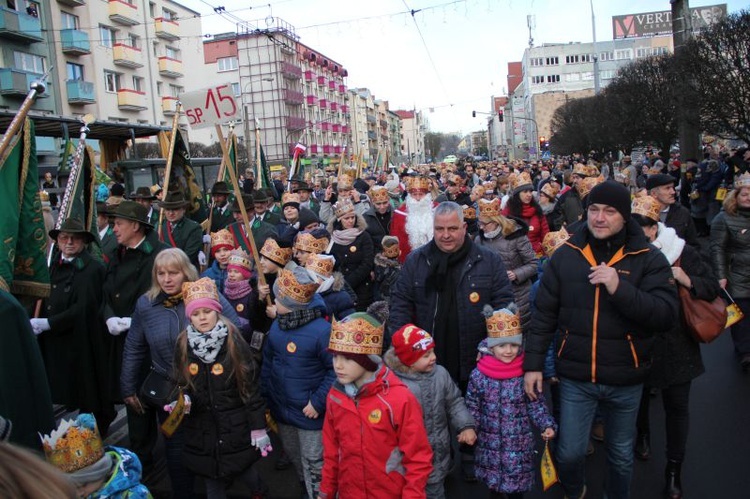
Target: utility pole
[
  {"x": 688, "y": 119},
  {"x": 597, "y": 82}
]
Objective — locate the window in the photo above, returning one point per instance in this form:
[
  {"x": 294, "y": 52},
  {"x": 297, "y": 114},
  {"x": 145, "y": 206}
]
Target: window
[
  {"x": 552, "y": 61},
  {"x": 28, "y": 62},
  {"x": 553, "y": 78},
  {"x": 643, "y": 52},
  {"x": 537, "y": 61},
  {"x": 159, "y": 88},
  {"x": 172, "y": 53},
  {"x": 537, "y": 80},
  {"x": 68, "y": 21},
  {"x": 152, "y": 9},
  {"x": 585, "y": 57},
  {"x": 573, "y": 77},
  {"x": 587, "y": 75},
  {"x": 138, "y": 84},
  {"x": 74, "y": 71},
  {"x": 236, "y": 89},
  {"x": 134, "y": 41},
  {"x": 175, "y": 90},
  {"x": 111, "y": 81},
  {"x": 107, "y": 35},
  {"x": 623, "y": 54},
  {"x": 607, "y": 56},
  {"x": 226, "y": 64},
  {"x": 660, "y": 50},
  {"x": 607, "y": 74},
  {"x": 571, "y": 59},
  {"x": 169, "y": 15}
]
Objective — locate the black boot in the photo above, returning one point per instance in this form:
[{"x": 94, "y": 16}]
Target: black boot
[
  {"x": 673, "y": 488},
  {"x": 643, "y": 446}
]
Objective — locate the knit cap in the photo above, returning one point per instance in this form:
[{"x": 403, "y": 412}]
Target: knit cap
[
  {"x": 200, "y": 294},
  {"x": 410, "y": 343},
  {"x": 612, "y": 194},
  {"x": 241, "y": 262}
]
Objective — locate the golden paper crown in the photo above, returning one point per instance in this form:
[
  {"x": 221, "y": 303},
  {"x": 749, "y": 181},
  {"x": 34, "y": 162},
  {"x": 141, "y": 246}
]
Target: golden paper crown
[
  {"x": 489, "y": 185},
  {"x": 343, "y": 207},
  {"x": 654, "y": 170},
  {"x": 204, "y": 287},
  {"x": 391, "y": 248},
  {"x": 489, "y": 208},
  {"x": 321, "y": 264},
  {"x": 420, "y": 183},
  {"x": 585, "y": 185},
  {"x": 289, "y": 197},
  {"x": 306, "y": 242},
  {"x": 478, "y": 190},
  {"x": 520, "y": 180},
  {"x": 241, "y": 259},
  {"x": 345, "y": 183},
  {"x": 276, "y": 253},
  {"x": 551, "y": 189},
  {"x": 456, "y": 179},
  {"x": 74, "y": 445},
  {"x": 378, "y": 194},
  {"x": 470, "y": 212},
  {"x": 742, "y": 180},
  {"x": 553, "y": 240},
  {"x": 585, "y": 170},
  {"x": 43, "y": 196},
  {"x": 357, "y": 333},
  {"x": 503, "y": 324},
  {"x": 222, "y": 238},
  {"x": 289, "y": 286},
  {"x": 646, "y": 206}
]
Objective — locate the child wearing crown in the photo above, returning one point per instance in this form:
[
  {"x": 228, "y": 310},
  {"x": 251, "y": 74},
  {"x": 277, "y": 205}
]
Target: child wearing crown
[
  {"x": 274, "y": 255},
  {"x": 243, "y": 297},
  {"x": 225, "y": 430},
  {"x": 373, "y": 422},
  {"x": 335, "y": 291},
  {"x": 222, "y": 244},
  {"x": 412, "y": 358},
  {"x": 387, "y": 268},
  {"x": 496, "y": 398}
]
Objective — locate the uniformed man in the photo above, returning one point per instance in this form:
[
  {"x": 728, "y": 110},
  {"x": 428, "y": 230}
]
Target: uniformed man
[{"x": 180, "y": 232}]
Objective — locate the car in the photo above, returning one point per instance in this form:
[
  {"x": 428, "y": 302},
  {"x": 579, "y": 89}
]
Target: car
[{"x": 451, "y": 158}]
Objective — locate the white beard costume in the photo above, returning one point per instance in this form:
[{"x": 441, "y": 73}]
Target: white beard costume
[{"x": 419, "y": 221}]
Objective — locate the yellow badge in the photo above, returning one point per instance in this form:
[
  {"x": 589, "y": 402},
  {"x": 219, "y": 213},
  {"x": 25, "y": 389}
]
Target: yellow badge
[
  {"x": 474, "y": 297},
  {"x": 353, "y": 249},
  {"x": 240, "y": 307},
  {"x": 375, "y": 416},
  {"x": 193, "y": 368},
  {"x": 217, "y": 370},
  {"x": 291, "y": 347}
]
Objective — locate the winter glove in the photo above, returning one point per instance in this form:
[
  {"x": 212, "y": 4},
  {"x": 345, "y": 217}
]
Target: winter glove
[
  {"x": 118, "y": 325},
  {"x": 202, "y": 258},
  {"x": 206, "y": 239},
  {"x": 261, "y": 441},
  {"x": 188, "y": 404},
  {"x": 125, "y": 322},
  {"x": 40, "y": 325}
]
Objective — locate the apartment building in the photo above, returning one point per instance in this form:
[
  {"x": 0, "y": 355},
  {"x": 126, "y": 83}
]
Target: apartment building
[{"x": 413, "y": 129}]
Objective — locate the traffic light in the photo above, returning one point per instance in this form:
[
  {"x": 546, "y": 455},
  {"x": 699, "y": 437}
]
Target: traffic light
[
  {"x": 500, "y": 115},
  {"x": 542, "y": 142},
  {"x": 473, "y": 114}
]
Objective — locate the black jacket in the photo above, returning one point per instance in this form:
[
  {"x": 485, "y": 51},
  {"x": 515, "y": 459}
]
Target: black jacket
[
  {"x": 730, "y": 251},
  {"x": 602, "y": 338},
  {"x": 355, "y": 261},
  {"x": 378, "y": 226},
  {"x": 678, "y": 217}
]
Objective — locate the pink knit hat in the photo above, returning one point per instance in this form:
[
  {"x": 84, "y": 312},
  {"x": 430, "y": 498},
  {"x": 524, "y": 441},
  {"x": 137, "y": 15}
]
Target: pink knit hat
[
  {"x": 200, "y": 294},
  {"x": 240, "y": 261}
]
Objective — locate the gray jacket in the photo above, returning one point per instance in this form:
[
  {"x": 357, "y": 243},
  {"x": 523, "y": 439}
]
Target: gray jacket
[
  {"x": 730, "y": 251},
  {"x": 441, "y": 403}
]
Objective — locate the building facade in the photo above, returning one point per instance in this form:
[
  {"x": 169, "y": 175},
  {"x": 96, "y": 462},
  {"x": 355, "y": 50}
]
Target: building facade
[{"x": 413, "y": 129}]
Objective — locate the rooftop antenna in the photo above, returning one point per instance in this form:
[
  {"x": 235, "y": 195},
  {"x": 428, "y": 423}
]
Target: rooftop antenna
[{"x": 531, "y": 23}]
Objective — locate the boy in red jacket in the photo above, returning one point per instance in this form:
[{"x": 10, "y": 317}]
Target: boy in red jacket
[{"x": 374, "y": 440}]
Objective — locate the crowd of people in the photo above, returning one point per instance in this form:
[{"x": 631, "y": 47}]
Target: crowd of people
[{"x": 373, "y": 329}]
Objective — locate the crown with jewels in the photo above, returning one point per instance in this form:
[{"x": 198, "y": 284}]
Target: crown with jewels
[
  {"x": 276, "y": 253},
  {"x": 240, "y": 259},
  {"x": 420, "y": 183},
  {"x": 378, "y": 194},
  {"x": 585, "y": 185},
  {"x": 585, "y": 170},
  {"x": 321, "y": 264},
  {"x": 288, "y": 285},
  {"x": 204, "y": 287},
  {"x": 307, "y": 242},
  {"x": 345, "y": 182},
  {"x": 289, "y": 197},
  {"x": 550, "y": 189},
  {"x": 521, "y": 180},
  {"x": 478, "y": 190},
  {"x": 343, "y": 207},
  {"x": 646, "y": 206},
  {"x": 222, "y": 238},
  {"x": 74, "y": 444},
  {"x": 470, "y": 213},
  {"x": 358, "y": 333},
  {"x": 503, "y": 323},
  {"x": 489, "y": 208},
  {"x": 553, "y": 240},
  {"x": 742, "y": 180}
]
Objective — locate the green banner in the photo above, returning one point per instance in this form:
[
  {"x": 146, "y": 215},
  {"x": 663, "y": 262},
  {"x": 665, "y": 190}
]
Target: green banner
[{"x": 184, "y": 177}]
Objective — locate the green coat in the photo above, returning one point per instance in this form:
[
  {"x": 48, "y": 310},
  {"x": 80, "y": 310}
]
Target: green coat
[
  {"x": 108, "y": 242},
  {"x": 260, "y": 234},
  {"x": 186, "y": 235},
  {"x": 221, "y": 220},
  {"x": 271, "y": 217}
]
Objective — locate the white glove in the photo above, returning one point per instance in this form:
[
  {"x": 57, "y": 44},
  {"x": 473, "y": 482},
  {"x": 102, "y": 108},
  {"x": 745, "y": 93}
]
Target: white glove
[
  {"x": 201, "y": 258},
  {"x": 188, "y": 404},
  {"x": 40, "y": 325},
  {"x": 261, "y": 441},
  {"x": 125, "y": 322},
  {"x": 118, "y": 325},
  {"x": 206, "y": 239}
]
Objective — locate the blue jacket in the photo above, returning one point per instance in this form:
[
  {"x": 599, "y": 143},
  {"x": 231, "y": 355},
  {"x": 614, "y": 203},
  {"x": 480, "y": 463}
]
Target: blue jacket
[
  {"x": 154, "y": 329},
  {"x": 125, "y": 480},
  {"x": 218, "y": 275},
  {"x": 297, "y": 368}
]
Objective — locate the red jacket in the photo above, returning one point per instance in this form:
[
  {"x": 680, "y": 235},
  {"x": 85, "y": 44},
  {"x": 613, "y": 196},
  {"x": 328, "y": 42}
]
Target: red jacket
[
  {"x": 375, "y": 444},
  {"x": 538, "y": 227}
]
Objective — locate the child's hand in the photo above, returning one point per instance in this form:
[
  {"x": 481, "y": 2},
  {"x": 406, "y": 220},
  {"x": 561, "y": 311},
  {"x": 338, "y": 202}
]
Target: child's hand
[
  {"x": 468, "y": 437},
  {"x": 263, "y": 291},
  {"x": 548, "y": 434},
  {"x": 271, "y": 311},
  {"x": 260, "y": 440},
  {"x": 188, "y": 404},
  {"x": 310, "y": 411}
]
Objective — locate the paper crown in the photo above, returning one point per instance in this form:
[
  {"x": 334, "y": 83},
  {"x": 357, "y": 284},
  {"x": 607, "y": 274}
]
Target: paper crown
[
  {"x": 521, "y": 181},
  {"x": 278, "y": 255},
  {"x": 456, "y": 179},
  {"x": 345, "y": 183},
  {"x": 585, "y": 170},
  {"x": 470, "y": 213},
  {"x": 74, "y": 445},
  {"x": 306, "y": 242},
  {"x": 550, "y": 189},
  {"x": 420, "y": 183},
  {"x": 321, "y": 264},
  {"x": 390, "y": 247},
  {"x": 654, "y": 170},
  {"x": 503, "y": 323},
  {"x": 378, "y": 194},
  {"x": 742, "y": 180},
  {"x": 204, "y": 287},
  {"x": 241, "y": 259},
  {"x": 585, "y": 185},
  {"x": 289, "y": 197},
  {"x": 44, "y": 196},
  {"x": 343, "y": 207},
  {"x": 553, "y": 240},
  {"x": 489, "y": 208},
  {"x": 358, "y": 333},
  {"x": 222, "y": 238},
  {"x": 289, "y": 286},
  {"x": 646, "y": 206},
  {"x": 478, "y": 190}
]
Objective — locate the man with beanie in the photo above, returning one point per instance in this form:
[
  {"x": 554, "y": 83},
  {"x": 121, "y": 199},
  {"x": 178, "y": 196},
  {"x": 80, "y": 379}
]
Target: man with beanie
[
  {"x": 605, "y": 292},
  {"x": 672, "y": 214}
]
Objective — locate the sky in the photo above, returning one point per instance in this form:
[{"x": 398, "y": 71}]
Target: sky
[{"x": 447, "y": 59}]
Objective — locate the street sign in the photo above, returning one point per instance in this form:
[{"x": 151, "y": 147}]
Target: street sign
[{"x": 210, "y": 106}]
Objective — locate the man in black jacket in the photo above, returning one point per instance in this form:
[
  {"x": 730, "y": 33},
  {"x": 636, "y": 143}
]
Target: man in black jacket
[
  {"x": 672, "y": 213},
  {"x": 605, "y": 293},
  {"x": 378, "y": 217}
]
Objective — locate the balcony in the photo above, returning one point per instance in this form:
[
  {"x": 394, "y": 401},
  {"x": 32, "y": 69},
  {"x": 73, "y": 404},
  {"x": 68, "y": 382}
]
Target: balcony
[
  {"x": 337, "y": 149},
  {"x": 123, "y": 12},
  {"x": 315, "y": 148},
  {"x": 14, "y": 82},
  {"x": 19, "y": 26},
  {"x": 372, "y": 135},
  {"x": 170, "y": 67},
  {"x": 131, "y": 100},
  {"x": 75, "y": 42},
  {"x": 312, "y": 100},
  {"x": 325, "y": 126},
  {"x": 323, "y": 104},
  {"x": 295, "y": 123},
  {"x": 293, "y": 98},
  {"x": 127, "y": 56},
  {"x": 344, "y": 129},
  {"x": 168, "y": 105},
  {"x": 332, "y": 85},
  {"x": 383, "y": 124},
  {"x": 309, "y": 75},
  {"x": 72, "y": 3},
  {"x": 333, "y": 106},
  {"x": 327, "y": 149},
  {"x": 371, "y": 119},
  {"x": 336, "y": 128},
  {"x": 166, "y": 29},
  {"x": 342, "y": 89},
  {"x": 80, "y": 92},
  {"x": 344, "y": 108},
  {"x": 321, "y": 80},
  {"x": 290, "y": 71}
]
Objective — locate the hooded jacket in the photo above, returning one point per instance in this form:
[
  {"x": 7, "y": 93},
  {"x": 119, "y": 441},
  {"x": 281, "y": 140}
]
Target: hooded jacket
[{"x": 125, "y": 480}]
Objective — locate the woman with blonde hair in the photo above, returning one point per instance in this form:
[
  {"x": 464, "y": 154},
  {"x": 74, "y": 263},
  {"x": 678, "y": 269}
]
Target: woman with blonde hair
[
  {"x": 24, "y": 475},
  {"x": 157, "y": 321}
]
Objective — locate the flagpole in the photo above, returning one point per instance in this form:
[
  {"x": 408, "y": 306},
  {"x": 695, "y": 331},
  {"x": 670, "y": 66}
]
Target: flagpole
[
  {"x": 36, "y": 88},
  {"x": 74, "y": 174},
  {"x": 258, "y": 164},
  {"x": 168, "y": 169}
]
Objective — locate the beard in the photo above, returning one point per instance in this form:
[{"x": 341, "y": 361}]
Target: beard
[{"x": 419, "y": 222}]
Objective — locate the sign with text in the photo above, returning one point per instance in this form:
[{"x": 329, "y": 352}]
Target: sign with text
[
  {"x": 210, "y": 106},
  {"x": 660, "y": 23}
]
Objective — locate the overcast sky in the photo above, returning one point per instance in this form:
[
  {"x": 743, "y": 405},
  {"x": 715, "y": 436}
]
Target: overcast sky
[{"x": 457, "y": 63}]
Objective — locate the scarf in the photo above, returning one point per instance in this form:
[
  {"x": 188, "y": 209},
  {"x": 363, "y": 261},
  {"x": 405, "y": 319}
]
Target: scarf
[
  {"x": 345, "y": 237},
  {"x": 234, "y": 290},
  {"x": 497, "y": 369},
  {"x": 173, "y": 300},
  {"x": 383, "y": 261},
  {"x": 442, "y": 261},
  {"x": 298, "y": 318},
  {"x": 493, "y": 233},
  {"x": 669, "y": 243},
  {"x": 206, "y": 345}
]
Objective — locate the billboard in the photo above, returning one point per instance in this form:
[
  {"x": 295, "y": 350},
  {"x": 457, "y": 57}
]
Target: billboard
[{"x": 660, "y": 23}]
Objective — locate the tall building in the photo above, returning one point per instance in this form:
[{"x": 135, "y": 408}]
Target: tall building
[{"x": 413, "y": 129}]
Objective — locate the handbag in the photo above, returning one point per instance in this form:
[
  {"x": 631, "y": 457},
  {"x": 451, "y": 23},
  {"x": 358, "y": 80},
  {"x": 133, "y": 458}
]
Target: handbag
[
  {"x": 705, "y": 319},
  {"x": 547, "y": 468},
  {"x": 734, "y": 312},
  {"x": 157, "y": 389}
]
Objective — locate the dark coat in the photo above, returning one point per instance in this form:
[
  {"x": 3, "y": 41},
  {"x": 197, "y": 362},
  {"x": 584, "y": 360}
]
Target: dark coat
[
  {"x": 75, "y": 349},
  {"x": 260, "y": 234},
  {"x": 568, "y": 210},
  {"x": 339, "y": 298},
  {"x": 220, "y": 220},
  {"x": 108, "y": 243},
  {"x": 603, "y": 339},
  {"x": 483, "y": 281},
  {"x": 186, "y": 235},
  {"x": 378, "y": 226},
  {"x": 730, "y": 251},
  {"x": 271, "y": 217},
  {"x": 355, "y": 261},
  {"x": 217, "y": 430},
  {"x": 678, "y": 217}
]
